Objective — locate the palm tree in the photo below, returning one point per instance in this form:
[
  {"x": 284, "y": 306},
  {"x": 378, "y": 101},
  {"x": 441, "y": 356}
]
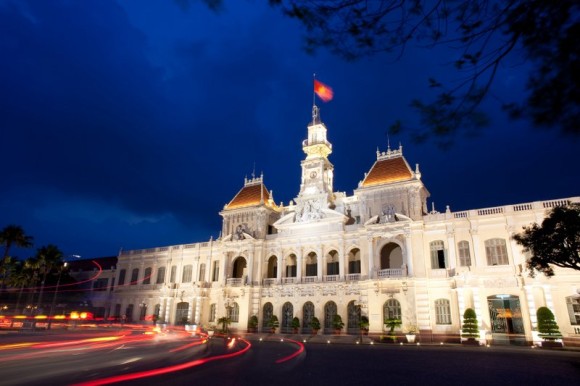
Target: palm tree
[
  {"x": 13, "y": 235},
  {"x": 22, "y": 276},
  {"x": 47, "y": 258}
]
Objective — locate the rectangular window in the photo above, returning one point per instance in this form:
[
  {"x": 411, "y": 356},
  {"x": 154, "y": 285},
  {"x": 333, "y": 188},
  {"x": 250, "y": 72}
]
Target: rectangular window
[
  {"x": 134, "y": 276},
  {"x": 187, "y": 274},
  {"x": 160, "y": 275},
  {"x": 215, "y": 271},
  {"x": 442, "y": 311},
  {"x": 354, "y": 266},
  {"x": 122, "y": 277},
  {"x": 464, "y": 255},
  {"x": 332, "y": 268},
  {"x": 202, "y": 272},
  {"x": 437, "y": 255},
  {"x": 173, "y": 274},
  {"x": 212, "y": 312},
  {"x": 496, "y": 252},
  {"x": 100, "y": 284},
  {"x": 573, "y": 304},
  {"x": 311, "y": 269},
  {"x": 290, "y": 271}
]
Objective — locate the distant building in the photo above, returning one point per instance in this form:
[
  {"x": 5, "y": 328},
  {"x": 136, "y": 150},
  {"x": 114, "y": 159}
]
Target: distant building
[
  {"x": 380, "y": 252},
  {"x": 96, "y": 279}
]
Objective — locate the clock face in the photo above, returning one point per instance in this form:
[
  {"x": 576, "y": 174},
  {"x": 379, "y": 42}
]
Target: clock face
[{"x": 313, "y": 175}]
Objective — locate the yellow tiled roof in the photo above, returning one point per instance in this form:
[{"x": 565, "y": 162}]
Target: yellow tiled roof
[
  {"x": 388, "y": 170},
  {"x": 249, "y": 196}
]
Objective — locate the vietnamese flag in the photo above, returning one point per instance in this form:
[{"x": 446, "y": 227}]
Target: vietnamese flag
[{"x": 323, "y": 91}]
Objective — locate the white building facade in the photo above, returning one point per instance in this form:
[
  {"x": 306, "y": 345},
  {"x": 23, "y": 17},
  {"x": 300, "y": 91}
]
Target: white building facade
[{"x": 379, "y": 253}]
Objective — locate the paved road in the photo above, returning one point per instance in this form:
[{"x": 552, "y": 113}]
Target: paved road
[{"x": 320, "y": 364}]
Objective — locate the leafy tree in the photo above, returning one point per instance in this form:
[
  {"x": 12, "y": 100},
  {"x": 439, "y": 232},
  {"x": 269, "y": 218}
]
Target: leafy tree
[
  {"x": 555, "y": 242},
  {"x": 470, "y": 330},
  {"x": 315, "y": 323},
  {"x": 547, "y": 326},
  {"x": 545, "y": 34},
  {"x": 13, "y": 235},
  {"x": 337, "y": 322},
  {"x": 273, "y": 323}
]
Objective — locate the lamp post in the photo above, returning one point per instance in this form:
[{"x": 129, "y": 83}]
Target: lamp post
[
  {"x": 359, "y": 306},
  {"x": 51, "y": 315}
]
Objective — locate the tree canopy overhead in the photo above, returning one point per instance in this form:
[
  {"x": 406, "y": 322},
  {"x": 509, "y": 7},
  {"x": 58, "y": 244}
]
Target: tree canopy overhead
[
  {"x": 546, "y": 34},
  {"x": 555, "y": 242}
]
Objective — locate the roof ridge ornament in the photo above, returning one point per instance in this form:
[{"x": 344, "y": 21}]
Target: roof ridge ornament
[{"x": 390, "y": 153}]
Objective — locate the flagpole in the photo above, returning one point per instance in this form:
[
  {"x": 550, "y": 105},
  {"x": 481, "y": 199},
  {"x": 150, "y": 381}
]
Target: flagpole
[{"x": 313, "y": 92}]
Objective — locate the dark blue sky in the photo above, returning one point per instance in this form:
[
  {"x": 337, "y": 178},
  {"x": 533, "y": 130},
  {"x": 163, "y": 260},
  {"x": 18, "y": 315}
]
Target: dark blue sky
[{"x": 129, "y": 124}]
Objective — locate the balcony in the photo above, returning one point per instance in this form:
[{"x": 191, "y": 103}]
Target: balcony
[{"x": 390, "y": 273}]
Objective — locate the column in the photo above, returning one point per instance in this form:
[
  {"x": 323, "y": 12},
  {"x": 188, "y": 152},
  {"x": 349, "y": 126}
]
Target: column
[
  {"x": 251, "y": 267},
  {"x": 371, "y": 263},
  {"x": 320, "y": 260},
  {"x": 477, "y": 306},
  {"x": 223, "y": 268},
  {"x": 409, "y": 254},
  {"x": 529, "y": 290},
  {"x": 341, "y": 263},
  {"x": 299, "y": 265},
  {"x": 451, "y": 247}
]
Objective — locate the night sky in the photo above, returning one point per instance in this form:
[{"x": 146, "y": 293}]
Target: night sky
[{"x": 130, "y": 124}]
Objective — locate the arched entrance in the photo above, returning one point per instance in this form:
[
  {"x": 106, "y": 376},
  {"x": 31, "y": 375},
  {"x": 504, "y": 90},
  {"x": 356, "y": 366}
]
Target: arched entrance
[
  {"x": 267, "y": 314},
  {"x": 307, "y": 315},
  {"x": 391, "y": 256},
  {"x": 181, "y": 313},
  {"x": 354, "y": 314},
  {"x": 239, "y": 268},
  {"x": 505, "y": 316},
  {"x": 287, "y": 316},
  {"x": 329, "y": 311}
]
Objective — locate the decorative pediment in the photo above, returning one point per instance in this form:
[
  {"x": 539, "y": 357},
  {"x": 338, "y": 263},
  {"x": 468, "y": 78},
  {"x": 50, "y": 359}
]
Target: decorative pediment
[
  {"x": 310, "y": 215},
  {"x": 387, "y": 218}
]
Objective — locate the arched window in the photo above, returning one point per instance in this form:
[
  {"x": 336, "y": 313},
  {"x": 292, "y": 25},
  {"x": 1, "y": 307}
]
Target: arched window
[
  {"x": 212, "y": 309},
  {"x": 464, "y": 255},
  {"x": 291, "y": 266},
  {"x": 332, "y": 263},
  {"x": 122, "y": 274},
  {"x": 234, "y": 313},
  {"x": 496, "y": 252},
  {"x": 438, "y": 260},
  {"x": 268, "y": 312},
  {"x": 391, "y": 256},
  {"x": 147, "y": 276},
  {"x": 272, "y": 267},
  {"x": 186, "y": 275},
  {"x": 392, "y": 309},
  {"x": 311, "y": 264},
  {"x": 442, "y": 311},
  {"x": 160, "y": 275},
  {"x": 354, "y": 261},
  {"x": 134, "y": 276}
]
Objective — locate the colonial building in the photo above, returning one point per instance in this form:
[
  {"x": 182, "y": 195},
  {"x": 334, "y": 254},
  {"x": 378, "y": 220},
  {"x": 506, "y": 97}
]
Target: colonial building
[{"x": 379, "y": 252}]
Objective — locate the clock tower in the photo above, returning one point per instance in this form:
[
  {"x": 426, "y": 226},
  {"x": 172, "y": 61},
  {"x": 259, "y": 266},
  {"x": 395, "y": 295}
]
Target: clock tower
[{"x": 316, "y": 188}]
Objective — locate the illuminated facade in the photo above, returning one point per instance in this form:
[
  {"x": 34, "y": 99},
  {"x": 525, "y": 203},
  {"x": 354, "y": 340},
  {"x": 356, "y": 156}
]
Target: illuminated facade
[{"x": 379, "y": 252}]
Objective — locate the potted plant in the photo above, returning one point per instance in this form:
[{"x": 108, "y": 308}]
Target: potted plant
[
  {"x": 295, "y": 324},
  {"x": 364, "y": 324},
  {"x": 548, "y": 328},
  {"x": 470, "y": 330},
  {"x": 411, "y": 333},
  {"x": 210, "y": 330},
  {"x": 225, "y": 322},
  {"x": 315, "y": 325},
  {"x": 273, "y": 323},
  {"x": 160, "y": 323},
  {"x": 253, "y": 323},
  {"x": 392, "y": 323},
  {"x": 337, "y": 324}
]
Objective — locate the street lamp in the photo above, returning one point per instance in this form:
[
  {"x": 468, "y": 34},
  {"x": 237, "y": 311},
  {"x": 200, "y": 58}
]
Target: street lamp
[
  {"x": 359, "y": 306},
  {"x": 51, "y": 315}
]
